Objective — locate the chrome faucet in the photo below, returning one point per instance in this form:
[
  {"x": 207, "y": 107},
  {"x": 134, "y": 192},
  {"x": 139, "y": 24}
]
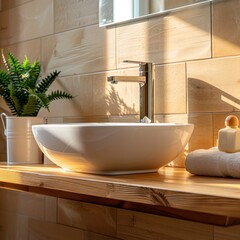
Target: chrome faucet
[{"x": 146, "y": 84}]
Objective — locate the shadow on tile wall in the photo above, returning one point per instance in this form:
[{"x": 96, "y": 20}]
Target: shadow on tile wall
[
  {"x": 205, "y": 97},
  {"x": 208, "y": 107},
  {"x": 114, "y": 101}
]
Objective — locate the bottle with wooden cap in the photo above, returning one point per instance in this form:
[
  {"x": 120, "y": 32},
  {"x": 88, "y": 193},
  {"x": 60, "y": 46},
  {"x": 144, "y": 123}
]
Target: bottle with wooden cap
[{"x": 229, "y": 137}]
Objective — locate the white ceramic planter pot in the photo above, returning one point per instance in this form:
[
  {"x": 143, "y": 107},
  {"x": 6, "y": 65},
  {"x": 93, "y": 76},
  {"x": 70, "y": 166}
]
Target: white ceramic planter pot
[{"x": 21, "y": 145}]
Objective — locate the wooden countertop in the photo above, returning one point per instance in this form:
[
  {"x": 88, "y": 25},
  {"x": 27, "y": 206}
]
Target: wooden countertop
[{"x": 173, "y": 189}]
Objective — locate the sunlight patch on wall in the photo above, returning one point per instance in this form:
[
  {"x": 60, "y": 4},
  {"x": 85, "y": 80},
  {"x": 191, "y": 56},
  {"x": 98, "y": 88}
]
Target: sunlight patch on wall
[{"x": 230, "y": 102}]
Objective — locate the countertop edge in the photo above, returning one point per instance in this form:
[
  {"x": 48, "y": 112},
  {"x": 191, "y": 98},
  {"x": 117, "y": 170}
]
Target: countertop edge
[{"x": 169, "y": 188}]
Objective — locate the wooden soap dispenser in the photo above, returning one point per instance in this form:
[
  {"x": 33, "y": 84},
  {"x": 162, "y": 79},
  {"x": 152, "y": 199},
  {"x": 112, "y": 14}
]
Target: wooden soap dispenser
[{"x": 229, "y": 137}]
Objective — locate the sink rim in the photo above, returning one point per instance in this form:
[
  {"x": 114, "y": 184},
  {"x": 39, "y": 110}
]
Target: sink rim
[{"x": 112, "y": 124}]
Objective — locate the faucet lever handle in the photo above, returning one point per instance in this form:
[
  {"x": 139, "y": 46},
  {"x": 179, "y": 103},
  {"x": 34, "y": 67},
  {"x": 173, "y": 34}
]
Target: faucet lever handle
[
  {"x": 143, "y": 66},
  {"x": 137, "y": 62}
]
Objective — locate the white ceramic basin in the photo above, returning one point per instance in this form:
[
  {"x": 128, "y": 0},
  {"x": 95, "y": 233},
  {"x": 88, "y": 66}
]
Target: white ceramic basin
[{"x": 112, "y": 148}]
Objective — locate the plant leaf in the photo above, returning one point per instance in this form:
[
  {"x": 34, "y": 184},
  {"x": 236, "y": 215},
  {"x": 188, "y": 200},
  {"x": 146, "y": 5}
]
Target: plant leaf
[
  {"x": 45, "y": 83},
  {"x": 58, "y": 94},
  {"x": 32, "y": 107}
]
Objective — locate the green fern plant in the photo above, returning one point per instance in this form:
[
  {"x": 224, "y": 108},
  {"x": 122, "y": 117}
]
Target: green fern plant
[{"x": 23, "y": 89}]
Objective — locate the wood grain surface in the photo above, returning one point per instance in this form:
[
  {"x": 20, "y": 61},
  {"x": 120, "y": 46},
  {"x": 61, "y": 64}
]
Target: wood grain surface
[{"x": 170, "y": 188}]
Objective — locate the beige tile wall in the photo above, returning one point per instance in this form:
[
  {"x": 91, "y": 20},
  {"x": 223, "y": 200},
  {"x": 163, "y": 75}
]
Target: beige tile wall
[{"x": 197, "y": 52}]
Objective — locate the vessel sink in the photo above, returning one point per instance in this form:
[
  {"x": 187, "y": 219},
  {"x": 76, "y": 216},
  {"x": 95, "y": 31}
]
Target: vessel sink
[{"x": 112, "y": 148}]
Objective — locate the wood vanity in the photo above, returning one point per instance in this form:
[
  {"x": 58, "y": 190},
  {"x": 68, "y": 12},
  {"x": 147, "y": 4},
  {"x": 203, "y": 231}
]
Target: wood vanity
[{"x": 45, "y": 202}]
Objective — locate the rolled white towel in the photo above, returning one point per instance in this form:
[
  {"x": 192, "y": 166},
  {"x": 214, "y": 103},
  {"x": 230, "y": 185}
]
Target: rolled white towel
[{"x": 213, "y": 162}]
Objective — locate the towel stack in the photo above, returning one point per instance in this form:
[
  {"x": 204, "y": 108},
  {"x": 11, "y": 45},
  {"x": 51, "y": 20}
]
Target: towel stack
[
  {"x": 213, "y": 162},
  {"x": 221, "y": 161}
]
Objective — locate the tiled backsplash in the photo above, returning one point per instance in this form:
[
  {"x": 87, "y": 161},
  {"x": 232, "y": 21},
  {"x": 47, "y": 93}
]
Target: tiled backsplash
[{"x": 196, "y": 52}]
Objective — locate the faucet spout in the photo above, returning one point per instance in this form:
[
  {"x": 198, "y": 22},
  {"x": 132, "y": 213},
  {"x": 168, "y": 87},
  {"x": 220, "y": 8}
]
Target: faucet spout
[
  {"x": 138, "y": 79},
  {"x": 146, "y": 83}
]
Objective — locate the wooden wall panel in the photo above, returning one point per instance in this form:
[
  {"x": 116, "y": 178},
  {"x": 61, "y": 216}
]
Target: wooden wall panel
[
  {"x": 176, "y": 3},
  {"x": 26, "y": 204},
  {"x": 74, "y": 14},
  {"x": 95, "y": 96},
  {"x": 213, "y": 85},
  {"x": 86, "y": 216},
  {"x": 52, "y": 231},
  {"x": 170, "y": 91},
  {"x": 31, "y": 49},
  {"x": 205, "y": 128},
  {"x": 13, "y": 226},
  {"x": 44, "y": 230},
  {"x": 183, "y": 35},
  {"x": 134, "y": 225},
  {"x": 202, "y": 136},
  {"x": 17, "y": 207},
  {"x": 177, "y": 118},
  {"x": 132, "y": 43},
  {"x": 79, "y": 51},
  {"x": 227, "y": 233},
  {"x": 36, "y": 13},
  {"x": 6, "y": 4},
  {"x": 179, "y": 36},
  {"x": 226, "y": 32}
]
